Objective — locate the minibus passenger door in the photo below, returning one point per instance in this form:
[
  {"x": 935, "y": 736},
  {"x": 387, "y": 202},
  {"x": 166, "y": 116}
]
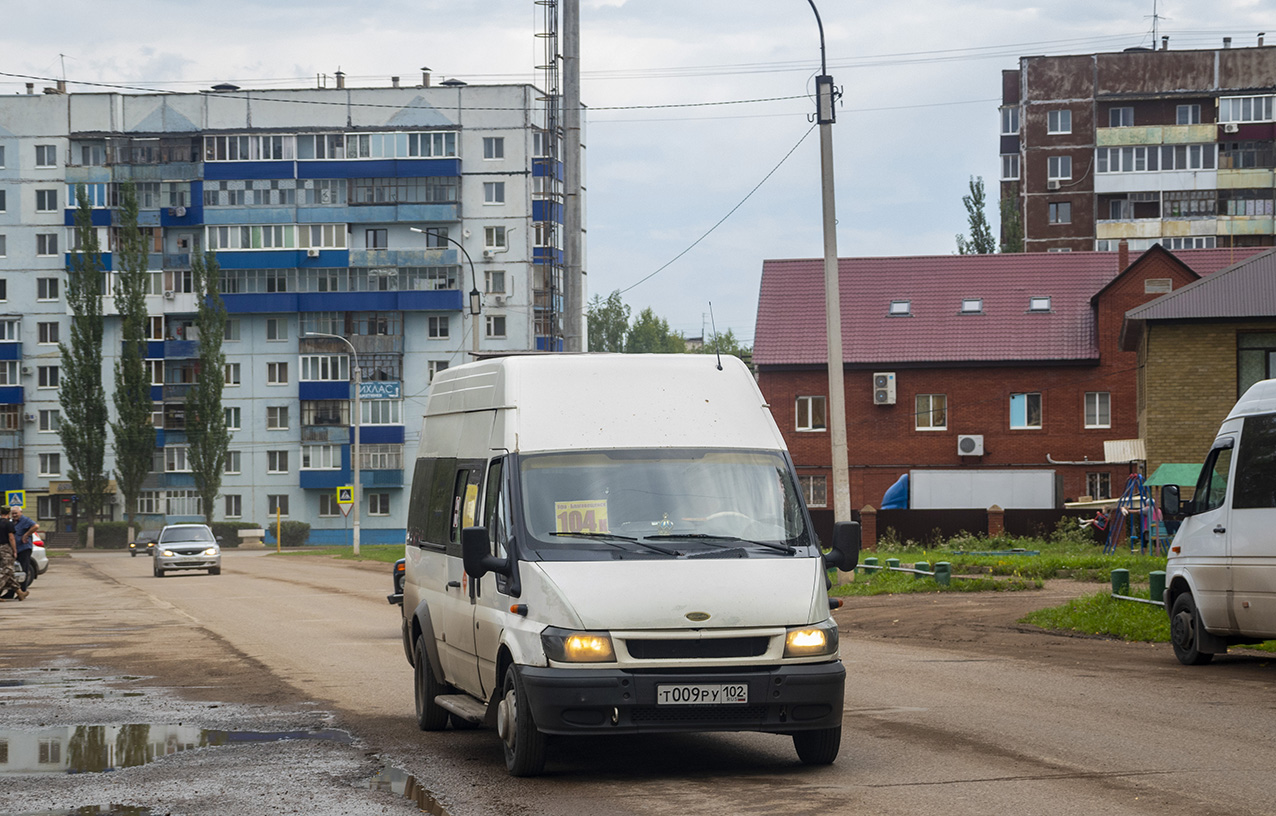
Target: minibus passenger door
[
  {"x": 1203, "y": 537},
  {"x": 494, "y": 599},
  {"x": 458, "y": 620},
  {"x": 1249, "y": 534}
]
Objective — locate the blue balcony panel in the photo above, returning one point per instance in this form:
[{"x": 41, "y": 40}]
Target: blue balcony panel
[
  {"x": 101, "y": 217},
  {"x": 380, "y": 478},
  {"x": 547, "y": 211},
  {"x": 543, "y": 167},
  {"x": 13, "y": 481},
  {"x": 179, "y": 481},
  {"x": 543, "y": 255},
  {"x": 438, "y": 300},
  {"x": 157, "y": 393},
  {"x": 373, "y": 168},
  {"x": 107, "y": 260},
  {"x": 323, "y": 390},
  {"x": 323, "y": 479},
  {"x": 249, "y": 215},
  {"x": 154, "y": 349},
  {"x": 194, "y": 215},
  {"x": 181, "y": 349},
  {"x": 325, "y": 434},
  {"x": 429, "y": 212},
  {"x": 12, "y": 395},
  {"x": 173, "y": 437},
  {"x": 88, "y": 175},
  {"x": 381, "y": 434},
  {"x": 160, "y": 436},
  {"x": 405, "y": 257},
  {"x": 11, "y": 351},
  {"x": 543, "y": 344},
  {"x": 260, "y": 304},
  {"x": 277, "y": 258},
  {"x": 252, "y": 170}
]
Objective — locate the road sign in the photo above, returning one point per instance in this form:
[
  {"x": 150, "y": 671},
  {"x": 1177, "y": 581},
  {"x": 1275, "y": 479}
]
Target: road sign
[
  {"x": 15, "y": 498},
  {"x": 345, "y": 494}
]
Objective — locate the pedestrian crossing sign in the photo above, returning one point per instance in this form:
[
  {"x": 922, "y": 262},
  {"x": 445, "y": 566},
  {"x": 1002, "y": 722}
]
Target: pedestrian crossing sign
[
  {"x": 15, "y": 498},
  {"x": 345, "y": 494}
]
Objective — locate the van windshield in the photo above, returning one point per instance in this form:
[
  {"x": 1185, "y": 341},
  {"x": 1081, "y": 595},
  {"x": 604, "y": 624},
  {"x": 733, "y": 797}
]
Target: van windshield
[{"x": 672, "y": 502}]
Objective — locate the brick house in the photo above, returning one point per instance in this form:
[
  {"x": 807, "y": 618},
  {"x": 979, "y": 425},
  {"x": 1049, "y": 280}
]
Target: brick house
[
  {"x": 1020, "y": 352},
  {"x": 1199, "y": 348}
]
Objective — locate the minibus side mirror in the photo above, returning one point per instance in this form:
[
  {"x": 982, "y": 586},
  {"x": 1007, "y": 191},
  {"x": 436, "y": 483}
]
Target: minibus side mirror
[
  {"x": 1171, "y": 505},
  {"x": 476, "y": 554},
  {"x": 846, "y": 546}
]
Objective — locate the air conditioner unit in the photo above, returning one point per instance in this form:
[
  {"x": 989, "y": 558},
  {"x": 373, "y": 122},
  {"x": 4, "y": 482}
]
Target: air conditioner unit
[
  {"x": 970, "y": 444},
  {"x": 488, "y": 254},
  {"x": 1052, "y": 184},
  {"x": 29, "y": 417},
  {"x": 26, "y": 369},
  {"x": 170, "y": 294},
  {"x": 312, "y": 253},
  {"x": 884, "y": 388},
  {"x": 1231, "y": 127},
  {"x": 179, "y": 211},
  {"x": 498, "y": 300}
]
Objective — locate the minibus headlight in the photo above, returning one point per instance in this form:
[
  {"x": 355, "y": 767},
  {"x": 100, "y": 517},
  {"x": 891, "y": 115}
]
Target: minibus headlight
[
  {"x": 811, "y": 641},
  {"x": 567, "y": 646}
]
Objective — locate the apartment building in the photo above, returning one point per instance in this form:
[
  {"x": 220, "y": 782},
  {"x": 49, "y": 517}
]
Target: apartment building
[
  {"x": 417, "y": 224},
  {"x": 1148, "y": 146}
]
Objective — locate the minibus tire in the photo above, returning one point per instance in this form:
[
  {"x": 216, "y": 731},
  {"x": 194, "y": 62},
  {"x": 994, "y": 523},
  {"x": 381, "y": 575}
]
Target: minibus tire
[
  {"x": 818, "y": 747},
  {"x": 430, "y": 716},
  {"x": 525, "y": 746},
  {"x": 1185, "y": 629}
]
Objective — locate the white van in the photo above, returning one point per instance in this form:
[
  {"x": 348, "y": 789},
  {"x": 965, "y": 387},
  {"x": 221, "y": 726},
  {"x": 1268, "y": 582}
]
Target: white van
[
  {"x": 1221, "y": 572},
  {"x": 610, "y": 544}
]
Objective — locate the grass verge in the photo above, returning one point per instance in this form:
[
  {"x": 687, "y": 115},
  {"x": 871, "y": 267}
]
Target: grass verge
[
  {"x": 387, "y": 553},
  {"x": 898, "y": 583},
  {"x": 1101, "y": 614}
]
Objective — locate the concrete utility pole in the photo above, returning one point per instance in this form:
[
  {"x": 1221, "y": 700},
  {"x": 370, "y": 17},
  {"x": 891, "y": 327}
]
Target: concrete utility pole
[
  {"x": 573, "y": 213},
  {"x": 825, "y": 98},
  {"x": 356, "y": 382}
]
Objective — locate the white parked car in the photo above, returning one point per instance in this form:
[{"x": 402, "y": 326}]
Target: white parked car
[
  {"x": 38, "y": 557},
  {"x": 185, "y": 547}
]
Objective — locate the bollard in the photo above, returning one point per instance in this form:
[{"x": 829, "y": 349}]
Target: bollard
[
  {"x": 943, "y": 573},
  {"x": 870, "y": 565},
  {"x": 1120, "y": 582},
  {"x": 921, "y": 566},
  {"x": 1156, "y": 582},
  {"x": 892, "y": 563}
]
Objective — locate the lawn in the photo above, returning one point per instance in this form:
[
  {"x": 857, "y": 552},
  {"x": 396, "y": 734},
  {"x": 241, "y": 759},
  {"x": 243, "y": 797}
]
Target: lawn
[{"x": 387, "y": 553}]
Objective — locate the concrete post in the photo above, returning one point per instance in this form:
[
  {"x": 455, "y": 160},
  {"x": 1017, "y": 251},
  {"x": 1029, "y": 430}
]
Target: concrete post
[
  {"x": 996, "y": 521},
  {"x": 868, "y": 527}
]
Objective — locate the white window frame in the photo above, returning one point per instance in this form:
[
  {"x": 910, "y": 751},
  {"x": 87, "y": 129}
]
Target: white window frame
[
  {"x": 50, "y": 464},
  {"x": 276, "y": 462},
  {"x": 493, "y": 193},
  {"x": 47, "y": 289},
  {"x": 1029, "y": 397},
  {"x": 925, "y": 408},
  {"x": 321, "y": 457},
  {"x": 1009, "y": 120},
  {"x": 48, "y": 333},
  {"x": 495, "y": 237},
  {"x": 815, "y": 490},
  {"x": 1119, "y": 114},
  {"x": 277, "y": 501},
  {"x": 232, "y": 374},
  {"x": 50, "y": 419},
  {"x": 1009, "y": 166},
  {"x": 1059, "y": 212},
  {"x": 234, "y": 417},
  {"x": 1191, "y": 113},
  {"x": 176, "y": 459},
  {"x": 1059, "y": 121},
  {"x": 378, "y": 504},
  {"x": 278, "y": 326},
  {"x": 328, "y": 506},
  {"x": 381, "y": 412},
  {"x": 234, "y": 463},
  {"x": 277, "y": 373},
  {"x": 804, "y": 413},
  {"x": 493, "y": 148},
  {"x": 277, "y": 417},
  {"x": 233, "y": 506},
  {"x": 46, "y": 155},
  {"x": 494, "y": 326},
  {"x": 1059, "y": 168},
  {"x": 1097, "y": 405},
  {"x": 43, "y": 204},
  {"x": 325, "y": 368},
  {"x": 491, "y": 278}
]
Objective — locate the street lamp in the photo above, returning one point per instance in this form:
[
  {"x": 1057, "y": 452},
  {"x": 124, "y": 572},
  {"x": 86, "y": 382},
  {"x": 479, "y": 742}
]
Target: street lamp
[
  {"x": 476, "y": 298},
  {"x": 356, "y": 378}
]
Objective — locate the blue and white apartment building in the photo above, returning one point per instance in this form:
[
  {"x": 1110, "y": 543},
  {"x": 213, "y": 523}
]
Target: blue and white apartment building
[{"x": 331, "y": 210}]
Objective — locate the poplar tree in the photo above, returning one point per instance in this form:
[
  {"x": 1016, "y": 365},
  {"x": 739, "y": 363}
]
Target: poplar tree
[
  {"x": 134, "y": 428},
  {"x": 980, "y": 241},
  {"x": 206, "y": 433}
]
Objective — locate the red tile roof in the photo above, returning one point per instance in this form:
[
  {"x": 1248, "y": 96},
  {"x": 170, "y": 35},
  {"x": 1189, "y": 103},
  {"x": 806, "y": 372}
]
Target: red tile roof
[{"x": 790, "y": 328}]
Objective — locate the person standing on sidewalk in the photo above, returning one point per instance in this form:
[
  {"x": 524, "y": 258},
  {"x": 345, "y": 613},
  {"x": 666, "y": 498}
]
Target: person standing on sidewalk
[
  {"x": 23, "y": 528},
  {"x": 8, "y": 555}
]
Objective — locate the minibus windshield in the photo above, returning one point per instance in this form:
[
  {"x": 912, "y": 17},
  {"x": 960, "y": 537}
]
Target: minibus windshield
[{"x": 670, "y": 501}]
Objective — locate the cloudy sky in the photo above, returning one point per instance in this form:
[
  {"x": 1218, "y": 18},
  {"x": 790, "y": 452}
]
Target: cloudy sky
[{"x": 666, "y": 161}]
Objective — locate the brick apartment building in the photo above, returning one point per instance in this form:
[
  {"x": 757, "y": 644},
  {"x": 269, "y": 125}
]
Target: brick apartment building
[
  {"x": 1146, "y": 146},
  {"x": 1018, "y": 354}
]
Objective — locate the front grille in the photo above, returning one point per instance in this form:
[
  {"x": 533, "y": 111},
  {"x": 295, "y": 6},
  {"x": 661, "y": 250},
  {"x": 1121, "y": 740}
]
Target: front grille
[
  {"x": 697, "y": 649},
  {"x": 699, "y": 714}
]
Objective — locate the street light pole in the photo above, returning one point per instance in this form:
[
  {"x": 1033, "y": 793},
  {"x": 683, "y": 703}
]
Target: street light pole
[
  {"x": 825, "y": 98},
  {"x": 356, "y": 381},
  {"x": 476, "y": 298}
]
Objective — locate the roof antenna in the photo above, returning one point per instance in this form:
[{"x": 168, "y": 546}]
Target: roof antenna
[{"x": 715, "y": 335}]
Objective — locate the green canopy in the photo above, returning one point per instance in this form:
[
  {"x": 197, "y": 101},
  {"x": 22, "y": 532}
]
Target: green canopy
[{"x": 1175, "y": 474}]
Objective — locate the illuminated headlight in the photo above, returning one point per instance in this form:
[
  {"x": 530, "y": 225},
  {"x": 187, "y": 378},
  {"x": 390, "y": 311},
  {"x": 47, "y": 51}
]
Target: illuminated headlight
[
  {"x": 210, "y": 551},
  {"x": 168, "y": 553},
  {"x": 811, "y": 641},
  {"x": 132, "y": 545},
  {"x": 566, "y": 646}
]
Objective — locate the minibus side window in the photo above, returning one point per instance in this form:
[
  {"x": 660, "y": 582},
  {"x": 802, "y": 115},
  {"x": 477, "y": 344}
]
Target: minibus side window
[
  {"x": 1256, "y": 464},
  {"x": 494, "y": 511},
  {"x": 464, "y": 503},
  {"x": 419, "y": 503},
  {"x": 436, "y": 530},
  {"x": 1212, "y": 488}
]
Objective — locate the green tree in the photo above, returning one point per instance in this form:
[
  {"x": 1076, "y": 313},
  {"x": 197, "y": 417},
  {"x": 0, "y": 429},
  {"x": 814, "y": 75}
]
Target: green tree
[
  {"x": 206, "y": 432},
  {"x": 650, "y": 334},
  {"x": 1011, "y": 224},
  {"x": 726, "y": 344},
  {"x": 981, "y": 241},
  {"x": 133, "y": 428},
  {"x": 84, "y": 416},
  {"x": 608, "y": 323}
]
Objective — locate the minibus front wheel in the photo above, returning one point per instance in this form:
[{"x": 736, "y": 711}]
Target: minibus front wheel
[{"x": 524, "y": 743}]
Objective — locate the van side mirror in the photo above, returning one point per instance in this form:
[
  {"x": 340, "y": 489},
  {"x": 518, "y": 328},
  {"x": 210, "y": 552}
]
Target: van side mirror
[
  {"x": 1171, "y": 505},
  {"x": 846, "y": 546},
  {"x": 476, "y": 554}
]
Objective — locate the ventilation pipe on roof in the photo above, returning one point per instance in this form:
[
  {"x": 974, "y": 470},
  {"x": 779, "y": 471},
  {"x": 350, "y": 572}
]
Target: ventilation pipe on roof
[
  {"x": 341, "y": 79},
  {"x": 1261, "y": 34},
  {"x": 1123, "y": 255},
  {"x": 1165, "y": 43},
  {"x": 394, "y": 82},
  {"x": 30, "y": 89},
  {"x": 1227, "y": 42},
  {"x": 425, "y": 77}
]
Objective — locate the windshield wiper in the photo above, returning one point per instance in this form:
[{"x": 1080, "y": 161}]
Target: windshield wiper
[
  {"x": 611, "y": 537},
  {"x": 784, "y": 548}
]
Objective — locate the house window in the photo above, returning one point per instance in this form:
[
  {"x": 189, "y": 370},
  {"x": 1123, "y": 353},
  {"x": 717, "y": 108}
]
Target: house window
[
  {"x": 320, "y": 457},
  {"x": 1256, "y": 359},
  {"x": 234, "y": 505},
  {"x": 50, "y": 464},
  {"x": 231, "y": 334},
  {"x": 810, "y": 414},
  {"x": 233, "y": 418},
  {"x": 1009, "y": 166},
  {"x": 1121, "y": 117},
  {"x": 276, "y": 373},
  {"x": 46, "y": 155},
  {"x": 176, "y": 461},
  {"x": 1098, "y": 485},
  {"x": 1098, "y": 409},
  {"x": 1187, "y": 114},
  {"x": 50, "y": 420},
  {"x": 931, "y": 412},
  {"x": 49, "y": 752},
  {"x": 1039, "y": 304},
  {"x": 46, "y": 332},
  {"x": 232, "y": 374},
  {"x": 900, "y": 308},
  {"x": 972, "y": 306},
  {"x": 3, "y": 204},
  {"x": 1059, "y": 121},
  {"x": 328, "y": 507},
  {"x": 376, "y": 238},
  {"x": 1009, "y": 121},
  {"x": 1059, "y": 167},
  {"x": 277, "y": 418},
  {"x": 4, "y": 247},
  {"x": 814, "y": 490},
  {"x": 276, "y": 461},
  {"x": 381, "y": 412},
  {"x": 1025, "y": 410},
  {"x": 494, "y": 281},
  {"x": 433, "y": 367},
  {"x": 46, "y": 200},
  {"x": 496, "y": 325},
  {"x": 325, "y": 368},
  {"x": 1060, "y": 212},
  {"x": 9, "y": 376},
  {"x": 437, "y": 326},
  {"x": 378, "y": 504},
  {"x": 493, "y": 147},
  {"x": 276, "y": 328},
  {"x": 1244, "y": 109},
  {"x": 493, "y": 192},
  {"x": 233, "y": 460},
  {"x": 277, "y": 504},
  {"x": 46, "y": 288},
  {"x": 47, "y": 376},
  {"x": 494, "y": 237}
]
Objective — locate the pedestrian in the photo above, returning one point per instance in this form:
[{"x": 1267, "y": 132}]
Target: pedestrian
[
  {"x": 23, "y": 529},
  {"x": 8, "y": 555}
]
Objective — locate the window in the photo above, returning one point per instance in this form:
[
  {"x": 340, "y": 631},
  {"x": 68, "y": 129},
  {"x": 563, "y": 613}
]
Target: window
[
  {"x": 900, "y": 308},
  {"x": 47, "y": 376},
  {"x": 277, "y": 418},
  {"x": 1059, "y": 167},
  {"x": 433, "y": 367},
  {"x": 46, "y": 200},
  {"x": 1245, "y": 109},
  {"x": 1190, "y": 204},
  {"x": 381, "y": 457},
  {"x": 156, "y": 369},
  {"x": 155, "y": 327},
  {"x": 1098, "y": 485},
  {"x": 328, "y": 507},
  {"x": 231, "y": 334},
  {"x": 494, "y": 237},
  {"x": 1, "y": 155},
  {"x": 1039, "y": 304},
  {"x": 1060, "y": 212},
  {"x": 8, "y": 330},
  {"x": 1098, "y": 409},
  {"x": 1009, "y": 166},
  {"x": 232, "y": 374},
  {"x": 233, "y": 462},
  {"x": 1009, "y": 121},
  {"x": 148, "y": 502},
  {"x": 493, "y": 192},
  {"x": 1255, "y": 476},
  {"x": 325, "y": 367},
  {"x": 46, "y": 332},
  {"x": 378, "y": 504},
  {"x": 496, "y": 325},
  {"x": 233, "y": 418},
  {"x": 276, "y": 373},
  {"x": 972, "y": 306},
  {"x": 277, "y": 505},
  {"x": 436, "y": 237},
  {"x": 1025, "y": 410},
  {"x": 325, "y": 412},
  {"x": 810, "y": 414},
  {"x": 234, "y": 505},
  {"x": 376, "y": 238},
  {"x": 493, "y": 147},
  {"x": 9, "y": 376},
  {"x": 1255, "y": 359},
  {"x": 50, "y": 751},
  {"x": 1187, "y": 115},
  {"x": 381, "y": 412},
  {"x": 814, "y": 490},
  {"x": 4, "y": 247},
  {"x": 50, "y": 464},
  {"x": 276, "y": 461},
  {"x": 1059, "y": 121},
  {"x": 46, "y": 155},
  {"x": 1121, "y": 117},
  {"x": 276, "y": 328},
  {"x": 931, "y": 412},
  {"x": 494, "y": 281},
  {"x": 1211, "y": 488},
  {"x": 176, "y": 461},
  {"x": 437, "y": 326},
  {"x": 3, "y": 205},
  {"x": 320, "y": 457},
  {"x": 46, "y": 289}
]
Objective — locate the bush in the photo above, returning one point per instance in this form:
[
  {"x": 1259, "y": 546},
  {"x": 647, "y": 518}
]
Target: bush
[
  {"x": 228, "y": 531},
  {"x": 107, "y": 535},
  {"x": 293, "y": 533}
]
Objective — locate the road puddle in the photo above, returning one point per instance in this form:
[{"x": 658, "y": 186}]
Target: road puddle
[{"x": 397, "y": 780}]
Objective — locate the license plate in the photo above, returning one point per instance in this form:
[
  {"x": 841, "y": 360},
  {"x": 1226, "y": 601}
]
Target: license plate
[{"x": 703, "y": 694}]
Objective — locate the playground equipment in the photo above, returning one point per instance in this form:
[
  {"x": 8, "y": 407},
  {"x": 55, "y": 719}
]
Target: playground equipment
[{"x": 1136, "y": 519}]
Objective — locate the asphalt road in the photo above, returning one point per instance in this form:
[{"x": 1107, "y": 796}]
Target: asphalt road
[{"x": 951, "y": 707}]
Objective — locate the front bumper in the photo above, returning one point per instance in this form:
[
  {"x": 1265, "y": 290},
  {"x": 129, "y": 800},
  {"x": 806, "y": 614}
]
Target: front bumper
[
  {"x": 176, "y": 562},
  {"x": 782, "y": 699}
]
